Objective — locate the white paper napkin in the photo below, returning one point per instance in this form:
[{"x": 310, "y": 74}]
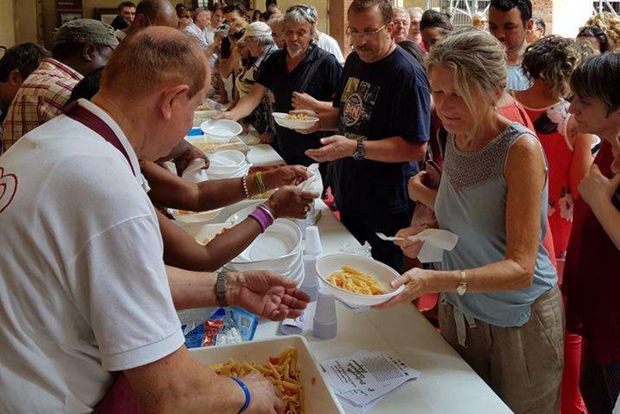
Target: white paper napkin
[
  {"x": 195, "y": 172},
  {"x": 296, "y": 326},
  {"x": 435, "y": 242},
  {"x": 314, "y": 183}
]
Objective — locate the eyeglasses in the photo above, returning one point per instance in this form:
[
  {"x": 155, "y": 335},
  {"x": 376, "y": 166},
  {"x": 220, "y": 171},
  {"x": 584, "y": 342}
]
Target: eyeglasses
[
  {"x": 364, "y": 35},
  {"x": 401, "y": 22}
]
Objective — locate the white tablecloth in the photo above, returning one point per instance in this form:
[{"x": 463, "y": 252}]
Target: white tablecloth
[{"x": 447, "y": 384}]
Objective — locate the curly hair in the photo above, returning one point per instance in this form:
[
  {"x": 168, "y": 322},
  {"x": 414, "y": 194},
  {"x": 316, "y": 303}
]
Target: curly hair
[
  {"x": 553, "y": 58},
  {"x": 610, "y": 24},
  {"x": 598, "y": 34}
]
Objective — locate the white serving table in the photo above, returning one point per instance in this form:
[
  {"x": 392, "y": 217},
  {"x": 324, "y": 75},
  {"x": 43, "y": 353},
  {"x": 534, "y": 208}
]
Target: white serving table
[{"x": 447, "y": 384}]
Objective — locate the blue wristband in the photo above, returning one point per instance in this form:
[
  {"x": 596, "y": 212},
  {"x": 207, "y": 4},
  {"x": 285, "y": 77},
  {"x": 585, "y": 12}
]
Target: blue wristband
[{"x": 246, "y": 392}]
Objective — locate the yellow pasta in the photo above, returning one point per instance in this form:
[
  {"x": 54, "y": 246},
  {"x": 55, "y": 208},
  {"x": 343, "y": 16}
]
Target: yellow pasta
[
  {"x": 282, "y": 371},
  {"x": 353, "y": 280},
  {"x": 297, "y": 117}
]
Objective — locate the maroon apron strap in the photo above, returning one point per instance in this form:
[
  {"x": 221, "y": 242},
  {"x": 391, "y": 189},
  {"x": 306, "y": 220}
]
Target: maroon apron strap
[
  {"x": 92, "y": 121},
  {"x": 119, "y": 399}
]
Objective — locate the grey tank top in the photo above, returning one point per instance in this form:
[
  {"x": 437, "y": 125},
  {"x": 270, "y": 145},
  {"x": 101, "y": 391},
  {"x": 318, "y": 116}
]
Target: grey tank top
[{"x": 471, "y": 202}]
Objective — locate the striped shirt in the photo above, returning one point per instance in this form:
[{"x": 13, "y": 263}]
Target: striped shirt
[{"x": 40, "y": 98}]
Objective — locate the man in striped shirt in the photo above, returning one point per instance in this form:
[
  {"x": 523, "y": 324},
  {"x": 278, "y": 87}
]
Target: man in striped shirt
[{"x": 81, "y": 47}]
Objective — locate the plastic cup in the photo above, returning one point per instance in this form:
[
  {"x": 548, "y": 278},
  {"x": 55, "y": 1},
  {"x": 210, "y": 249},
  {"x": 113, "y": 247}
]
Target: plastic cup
[
  {"x": 314, "y": 246},
  {"x": 325, "y": 323},
  {"x": 310, "y": 284}
]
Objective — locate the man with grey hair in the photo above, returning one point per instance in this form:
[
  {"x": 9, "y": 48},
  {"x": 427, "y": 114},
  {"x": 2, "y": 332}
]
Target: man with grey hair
[
  {"x": 300, "y": 67},
  {"x": 402, "y": 24},
  {"x": 197, "y": 28},
  {"x": 415, "y": 15},
  {"x": 259, "y": 43}
]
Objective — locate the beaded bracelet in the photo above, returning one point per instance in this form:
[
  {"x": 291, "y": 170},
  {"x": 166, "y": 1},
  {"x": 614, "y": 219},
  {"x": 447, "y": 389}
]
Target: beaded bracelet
[
  {"x": 244, "y": 181},
  {"x": 246, "y": 392},
  {"x": 260, "y": 183}
]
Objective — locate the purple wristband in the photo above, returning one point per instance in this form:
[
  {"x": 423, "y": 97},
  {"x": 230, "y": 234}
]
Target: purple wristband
[{"x": 263, "y": 218}]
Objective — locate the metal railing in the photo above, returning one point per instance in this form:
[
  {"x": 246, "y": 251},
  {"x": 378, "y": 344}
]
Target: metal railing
[{"x": 460, "y": 10}]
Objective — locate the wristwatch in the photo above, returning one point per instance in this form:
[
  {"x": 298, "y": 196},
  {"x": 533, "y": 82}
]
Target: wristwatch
[
  {"x": 359, "y": 153},
  {"x": 220, "y": 289}
]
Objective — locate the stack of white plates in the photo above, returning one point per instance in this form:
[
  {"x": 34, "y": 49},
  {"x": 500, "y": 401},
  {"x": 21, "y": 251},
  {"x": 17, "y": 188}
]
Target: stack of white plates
[
  {"x": 278, "y": 250},
  {"x": 227, "y": 164}
]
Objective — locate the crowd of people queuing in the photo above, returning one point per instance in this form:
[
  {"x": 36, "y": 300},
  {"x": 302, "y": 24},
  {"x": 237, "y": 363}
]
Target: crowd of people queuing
[{"x": 521, "y": 127}]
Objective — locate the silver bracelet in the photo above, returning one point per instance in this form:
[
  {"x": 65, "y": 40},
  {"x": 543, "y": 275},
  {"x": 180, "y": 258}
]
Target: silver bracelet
[
  {"x": 266, "y": 210},
  {"x": 244, "y": 180}
]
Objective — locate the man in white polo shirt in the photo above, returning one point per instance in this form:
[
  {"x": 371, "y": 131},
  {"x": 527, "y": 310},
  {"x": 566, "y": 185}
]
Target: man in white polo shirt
[{"x": 83, "y": 288}]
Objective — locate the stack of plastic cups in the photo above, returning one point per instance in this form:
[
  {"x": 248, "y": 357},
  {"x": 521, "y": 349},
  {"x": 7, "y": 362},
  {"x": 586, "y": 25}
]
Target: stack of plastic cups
[
  {"x": 314, "y": 248},
  {"x": 325, "y": 324}
]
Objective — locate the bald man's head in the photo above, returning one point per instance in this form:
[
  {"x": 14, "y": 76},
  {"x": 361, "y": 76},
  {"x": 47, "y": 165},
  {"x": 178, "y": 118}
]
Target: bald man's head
[
  {"x": 152, "y": 85},
  {"x": 152, "y": 59},
  {"x": 156, "y": 13}
]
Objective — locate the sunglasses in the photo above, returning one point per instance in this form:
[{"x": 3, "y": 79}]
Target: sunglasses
[{"x": 238, "y": 35}]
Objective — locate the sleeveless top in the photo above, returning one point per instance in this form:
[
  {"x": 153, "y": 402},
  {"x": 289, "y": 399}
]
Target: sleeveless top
[
  {"x": 550, "y": 125},
  {"x": 471, "y": 202}
]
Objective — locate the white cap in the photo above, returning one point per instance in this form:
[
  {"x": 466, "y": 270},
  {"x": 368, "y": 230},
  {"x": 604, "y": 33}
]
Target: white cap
[{"x": 256, "y": 29}]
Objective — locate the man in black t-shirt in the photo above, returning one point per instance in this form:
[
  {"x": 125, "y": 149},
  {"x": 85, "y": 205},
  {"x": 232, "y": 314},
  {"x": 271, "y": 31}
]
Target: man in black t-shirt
[
  {"x": 300, "y": 67},
  {"x": 382, "y": 113}
]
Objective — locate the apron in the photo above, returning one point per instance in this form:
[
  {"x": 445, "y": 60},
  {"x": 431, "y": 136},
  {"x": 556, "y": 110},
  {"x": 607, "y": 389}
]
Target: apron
[{"x": 118, "y": 400}]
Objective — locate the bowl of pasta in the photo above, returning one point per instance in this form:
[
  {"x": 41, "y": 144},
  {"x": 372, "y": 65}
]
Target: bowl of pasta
[
  {"x": 294, "y": 121},
  {"x": 357, "y": 280},
  {"x": 286, "y": 362}
]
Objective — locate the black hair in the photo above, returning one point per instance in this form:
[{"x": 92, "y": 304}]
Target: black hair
[
  {"x": 238, "y": 7},
  {"x": 599, "y": 77},
  {"x": 215, "y": 7},
  {"x": 88, "y": 86},
  {"x": 597, "y": 33},
  {"x": 25, "y": 58},
  {"x": 414, "y": 50},
  {"x": 125, "y": 4},
  {"x": 524, "y": 7},
  {"x": 433, "y": 18}
]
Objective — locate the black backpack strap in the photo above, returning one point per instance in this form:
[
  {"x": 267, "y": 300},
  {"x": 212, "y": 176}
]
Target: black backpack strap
[{"x": 313, "y": 69}]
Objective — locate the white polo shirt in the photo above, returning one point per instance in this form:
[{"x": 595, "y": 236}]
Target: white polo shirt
[
  {"x": 83, "y": 287},
  {"x": 329, "y": 44}
]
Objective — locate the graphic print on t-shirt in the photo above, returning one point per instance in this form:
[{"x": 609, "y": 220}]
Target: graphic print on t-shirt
[
  {"x": 8, "y": 188},
  {"x": 357, "y": 102}
]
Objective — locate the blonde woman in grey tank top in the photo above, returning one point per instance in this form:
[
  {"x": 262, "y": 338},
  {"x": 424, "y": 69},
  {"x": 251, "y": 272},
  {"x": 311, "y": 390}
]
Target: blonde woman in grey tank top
[{"x": 500, "y": 305}]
